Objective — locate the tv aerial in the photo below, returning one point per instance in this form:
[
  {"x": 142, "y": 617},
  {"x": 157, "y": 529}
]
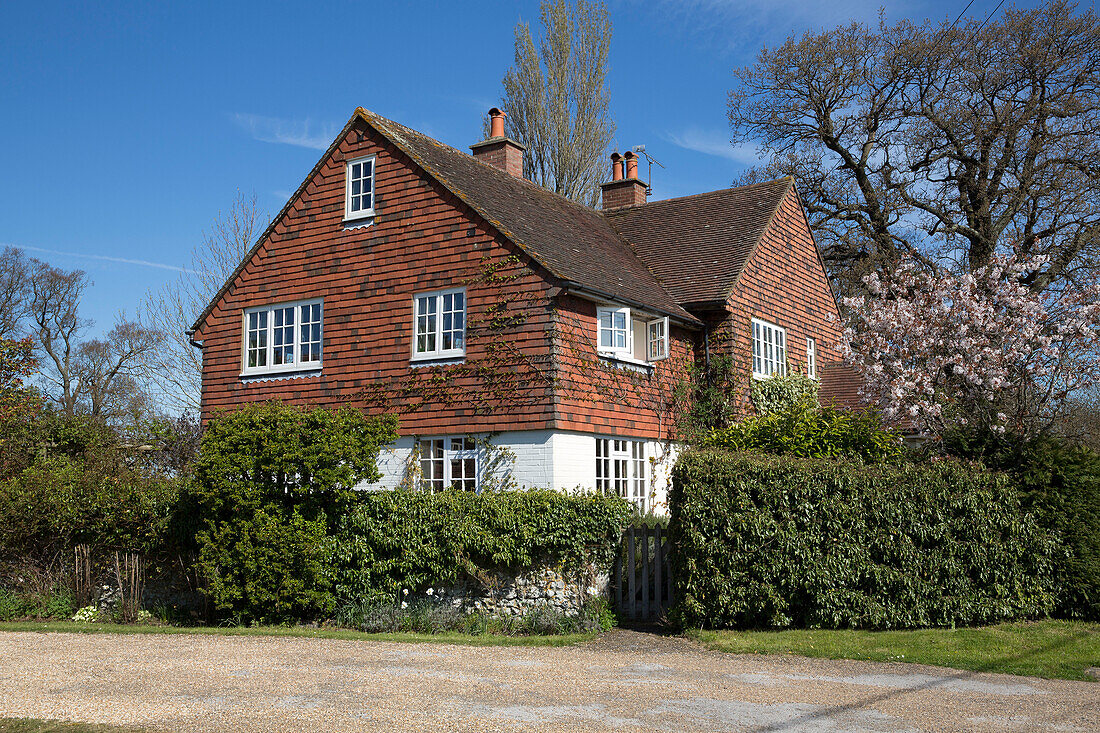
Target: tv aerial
[{"x": 640, "y": 149}]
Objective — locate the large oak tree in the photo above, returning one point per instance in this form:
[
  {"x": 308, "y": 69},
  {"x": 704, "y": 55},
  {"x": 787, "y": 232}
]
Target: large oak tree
[{"x": 949, "y": 142}]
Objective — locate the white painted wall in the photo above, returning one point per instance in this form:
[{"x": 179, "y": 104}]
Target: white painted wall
[{"x": 556, "y": 459}]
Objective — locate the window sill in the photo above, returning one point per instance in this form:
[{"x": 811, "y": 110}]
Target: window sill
[
  {"x": 627, "y": 362},
  {"x": 310, "y": 370},
  {"x": 357, "y": 222},
  {"x": 436, "y": 360}
]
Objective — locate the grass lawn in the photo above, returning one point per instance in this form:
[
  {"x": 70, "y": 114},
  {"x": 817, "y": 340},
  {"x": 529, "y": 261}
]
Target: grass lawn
[
  {"x": 444, "y": 638},
  {"x": 1052, "y": 649},
  {"x": 26, "y": 725}
]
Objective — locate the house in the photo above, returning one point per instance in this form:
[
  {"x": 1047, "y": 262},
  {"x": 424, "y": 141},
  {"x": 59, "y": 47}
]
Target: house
[{"x": 522, "y": 338}]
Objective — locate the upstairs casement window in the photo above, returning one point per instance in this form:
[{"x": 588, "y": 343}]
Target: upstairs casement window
[
  {"x": 621, "y": 470},
  {"x": 769, "y": 349},
  {"x": 811, "y": 358},
  {"x": 359, "y": 199},
  {"x": 439, "y": 325},
  {"x": 283, "y": 338},
  {"x": 448, "y": 463},
  {"x": 630, "y": 336}
]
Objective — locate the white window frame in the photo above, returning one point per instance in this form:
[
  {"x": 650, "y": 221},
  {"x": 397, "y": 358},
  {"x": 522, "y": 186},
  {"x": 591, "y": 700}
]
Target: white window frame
[
  {"x": 453, "y": 448},
  {"x": 270, "y": 367},
  {"x": 627, "y": 349},
  {"x": 769, "y": 349},
  {"x": 656, "y": 339},
  {"x": 350, "y": 215},
  {"x": 438, "y": 352},
  {"x": 621, "y": 469},
  {"x": 811, "y": 357},
  {"x": 656, "y": 336}
]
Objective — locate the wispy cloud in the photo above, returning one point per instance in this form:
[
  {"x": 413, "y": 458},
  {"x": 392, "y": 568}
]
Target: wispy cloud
[
  {"x": 104, "y": 258},
  {"x": 303, "y": 133},
  {"x": 713, "y": 142}
]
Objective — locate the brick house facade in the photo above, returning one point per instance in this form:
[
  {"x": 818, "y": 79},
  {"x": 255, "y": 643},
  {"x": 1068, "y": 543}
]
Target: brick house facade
[{"x": 522, "y": 339}]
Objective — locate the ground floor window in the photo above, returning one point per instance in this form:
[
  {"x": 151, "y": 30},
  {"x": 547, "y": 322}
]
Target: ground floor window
[
  {"x": 621, "y": 469},
  {"x": 448, "y": 463}
]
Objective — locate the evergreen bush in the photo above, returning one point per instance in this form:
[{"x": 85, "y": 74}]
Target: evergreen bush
[{"x": 761, "y": 541}]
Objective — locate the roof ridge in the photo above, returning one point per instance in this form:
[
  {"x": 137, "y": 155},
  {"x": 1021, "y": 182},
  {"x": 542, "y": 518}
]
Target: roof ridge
[
  {"x": 785, "y": 179},
  {"x": 495, "y": 171}
]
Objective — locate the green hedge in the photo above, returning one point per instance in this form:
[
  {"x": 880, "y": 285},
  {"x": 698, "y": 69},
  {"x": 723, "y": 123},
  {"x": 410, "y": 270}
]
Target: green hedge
[
  {"x": 811, "y": 432},
  {"x": 76, "y": 484},
  {"x": 1060, "y": 482},
  {"x": 396, "y": 540},
  {"x": 776, "y": 542}
]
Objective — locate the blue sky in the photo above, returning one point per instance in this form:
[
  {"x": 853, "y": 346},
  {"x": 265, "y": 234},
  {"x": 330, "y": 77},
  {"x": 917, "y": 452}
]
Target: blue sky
[{"x": 126, "y": 127}]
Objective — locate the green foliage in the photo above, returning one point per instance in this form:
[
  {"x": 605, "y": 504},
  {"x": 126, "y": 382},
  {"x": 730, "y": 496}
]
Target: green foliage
[
  {"x": 777, "y": 542},
  {"x": 395, "y": 540},
  {"x": 55, "y": 602},
  {"x": 1060, "y": 482},
  {"x": 434, "y": 616},
  {"x": 269, "y": 481},
  {"x": 783, "y": 393},
  {"x": 811, "y": 432},
  {"x": 707, "y": 399},
  {"x": 74, "y": 483}
]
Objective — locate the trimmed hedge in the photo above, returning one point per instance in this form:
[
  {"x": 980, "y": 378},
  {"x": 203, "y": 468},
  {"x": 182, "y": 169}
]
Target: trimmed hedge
[
  {"x": 811, "y": 432},
  {"x": 395, "y": 540},
  {"x": 778, "y": 542},
  {"x": 1060, "y": 482}
]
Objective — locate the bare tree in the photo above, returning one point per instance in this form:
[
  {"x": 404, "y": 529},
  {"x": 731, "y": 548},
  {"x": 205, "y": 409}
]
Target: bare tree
[
  {"x": 175, "y": 369},
  {"x": 14, "y": 270},
  {"x": 557, "y": 100},
  {"x": 950, "y": 142},
  {"x": 56, "y": 327},
  {"x": 108, "y": 371}
]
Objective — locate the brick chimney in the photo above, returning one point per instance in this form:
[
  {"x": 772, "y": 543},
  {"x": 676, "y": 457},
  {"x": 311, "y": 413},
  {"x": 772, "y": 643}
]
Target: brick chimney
[
  {"x": 623, "y": 190},
  {"x": 500, "y": 151}
]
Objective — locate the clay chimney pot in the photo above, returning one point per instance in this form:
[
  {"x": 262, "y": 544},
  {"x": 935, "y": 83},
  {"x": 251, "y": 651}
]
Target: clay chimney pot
[
  {"x": 631, "y": 164},
  {"x": 496, "y": 123},
  {"x": 616, "y": 167}
]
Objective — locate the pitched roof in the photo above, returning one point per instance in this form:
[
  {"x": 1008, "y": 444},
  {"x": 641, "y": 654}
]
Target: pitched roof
[
  {"x": 840, "y": 386},
  {"x": 697, "y": 245},
  {"x": 573, "y": 242}
]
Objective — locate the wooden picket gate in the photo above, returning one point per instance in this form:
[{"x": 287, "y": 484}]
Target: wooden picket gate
[{"x": 643, "y": 581}]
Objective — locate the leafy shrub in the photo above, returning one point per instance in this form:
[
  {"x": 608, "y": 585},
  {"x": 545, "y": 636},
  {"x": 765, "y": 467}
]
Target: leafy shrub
[
  {"x": 53, "y": 603},
  {"x": 811, "y": 432},
  {"x": 783, "y": 393},
  {"x": 1060, "y": 482},
  {"x": 394, "y": 540},
  {"x": 74, "y": 483},
  {"x": 778, "y": 542},
  {"x": 269, "y": 482}
]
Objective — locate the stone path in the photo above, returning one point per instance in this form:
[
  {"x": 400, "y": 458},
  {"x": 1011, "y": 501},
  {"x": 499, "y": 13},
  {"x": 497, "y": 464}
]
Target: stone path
[{"x": 622, "y": 681}]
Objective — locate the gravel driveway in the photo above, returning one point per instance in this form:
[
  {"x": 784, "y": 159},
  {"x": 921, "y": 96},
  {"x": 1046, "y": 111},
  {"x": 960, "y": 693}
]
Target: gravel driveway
[{"x": 621, "y": 681}]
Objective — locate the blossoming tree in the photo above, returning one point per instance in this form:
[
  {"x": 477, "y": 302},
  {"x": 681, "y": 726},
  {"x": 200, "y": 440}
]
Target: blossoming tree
[{"x": 979, "y": 349}]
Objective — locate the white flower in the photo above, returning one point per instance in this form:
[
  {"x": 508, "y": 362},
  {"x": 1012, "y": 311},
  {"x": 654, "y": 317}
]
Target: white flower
[
  {"x": 430, "y": 591},
  {"x": 404, "y": 591},
  {"x": 404, "y": 605}
]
